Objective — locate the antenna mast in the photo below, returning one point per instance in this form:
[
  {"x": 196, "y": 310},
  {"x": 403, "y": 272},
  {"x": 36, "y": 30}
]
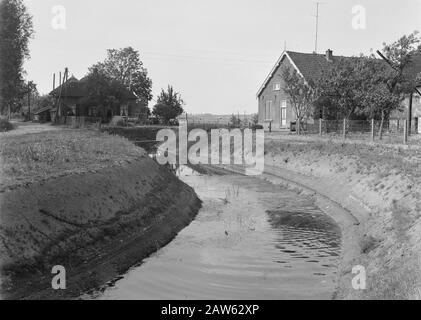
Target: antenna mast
[{"x": 317, "y": 25}]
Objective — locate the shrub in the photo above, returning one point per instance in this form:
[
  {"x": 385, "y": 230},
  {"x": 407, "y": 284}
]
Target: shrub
[
  {"x": 118, "y": 122},
  {"x": 5, "y": 125}
]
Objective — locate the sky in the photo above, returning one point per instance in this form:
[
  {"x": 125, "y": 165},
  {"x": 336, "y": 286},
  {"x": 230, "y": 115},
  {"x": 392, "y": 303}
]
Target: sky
[{"x": 216, "y": 53}]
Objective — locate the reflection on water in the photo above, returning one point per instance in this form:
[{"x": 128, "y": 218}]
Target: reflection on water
[
  {"x": 251, "y": 240},
  {"x": 308, "y": 235}
]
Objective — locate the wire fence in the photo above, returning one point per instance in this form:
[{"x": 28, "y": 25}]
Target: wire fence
[
  {"x": 397, "y": 131},
  {"x": 391, "y": 131}
]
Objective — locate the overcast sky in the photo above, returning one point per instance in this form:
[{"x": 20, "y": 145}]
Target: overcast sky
[{"x": 215, "y": 52}]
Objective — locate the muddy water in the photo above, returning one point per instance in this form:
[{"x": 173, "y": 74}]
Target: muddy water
[{"x": 251, "y": 240}]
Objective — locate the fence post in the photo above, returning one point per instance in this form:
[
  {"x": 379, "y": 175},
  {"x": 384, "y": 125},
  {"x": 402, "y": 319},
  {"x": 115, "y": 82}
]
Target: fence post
[
  {"x": 405, "y": 131},
  {"x": 344, "y": 132},
  {"x": 372, "y": 130},
  {"x": 320, "y": 127}
]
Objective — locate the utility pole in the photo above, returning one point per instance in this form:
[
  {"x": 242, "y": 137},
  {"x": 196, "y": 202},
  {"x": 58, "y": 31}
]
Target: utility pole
[
  {"x": 31, "y": 87},
  {"x": 58, "y": 103},
  {"x": 411, "y": 96},
  {"x": 29, "y": 101}
]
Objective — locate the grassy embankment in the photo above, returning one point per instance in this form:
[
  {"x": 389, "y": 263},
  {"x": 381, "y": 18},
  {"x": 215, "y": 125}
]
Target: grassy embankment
[
  {"x": 381, "y": 186},
  {"x": 94, "y": 203},
  {"x": 36, "y": 157}
]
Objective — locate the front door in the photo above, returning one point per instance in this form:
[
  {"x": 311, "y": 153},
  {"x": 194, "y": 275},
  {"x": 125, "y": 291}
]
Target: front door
[{"x": 283, "y": 114}]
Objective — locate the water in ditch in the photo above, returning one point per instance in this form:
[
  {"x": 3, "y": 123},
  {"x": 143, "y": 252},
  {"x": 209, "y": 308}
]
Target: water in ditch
[{"x": 251, "y": 240}]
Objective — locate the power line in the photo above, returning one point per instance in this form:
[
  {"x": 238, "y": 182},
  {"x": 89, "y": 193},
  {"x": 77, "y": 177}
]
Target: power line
[{"x": 228, "y": 60}]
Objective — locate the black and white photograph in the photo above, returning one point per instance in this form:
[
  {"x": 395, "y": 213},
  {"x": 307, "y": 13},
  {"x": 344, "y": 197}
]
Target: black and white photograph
[{"x": 210, "y": 156}]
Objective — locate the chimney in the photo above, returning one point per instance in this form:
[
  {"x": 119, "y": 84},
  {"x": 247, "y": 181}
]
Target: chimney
[{"x": 329, "y": 55}]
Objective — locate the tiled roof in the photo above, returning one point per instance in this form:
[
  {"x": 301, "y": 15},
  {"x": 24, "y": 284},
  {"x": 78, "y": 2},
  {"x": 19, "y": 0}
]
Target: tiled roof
[
  {"x": 42, "y": 110},
  {"x": 310, "y": 65},
  {"x": 74, "y": 88}
]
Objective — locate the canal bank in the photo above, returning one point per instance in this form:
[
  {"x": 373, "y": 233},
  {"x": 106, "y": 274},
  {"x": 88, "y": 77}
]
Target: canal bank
[
  {"x": 379, "y": 189},
  {"x": 92, "y": 203}
]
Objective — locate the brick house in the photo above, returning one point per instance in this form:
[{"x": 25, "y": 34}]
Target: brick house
[
  {"x": 274, "y": 107},
  {"x": 73, "y": 91}
]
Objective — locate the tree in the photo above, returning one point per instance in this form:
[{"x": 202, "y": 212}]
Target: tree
[
  {"x": 359, "y": 87},
  {"x": 144, "y": 112},
  {"x": 104, "y": 94},
  {"x": 169, "y": 105},
  {"x": 255, "y": 119},
  {"x": 341, "y": 85},
  {"x": 124, "y": 65},
  {"x": 31, "y": 94},
  {"x": 368, "y": 87},
  {"x": 235, "y": 121},
  {"x": 376, "y": 98},
  {"x": 15, "y": 31},
  {"x": 399, "y": 56},
  {"x": 301, "y": 94}
]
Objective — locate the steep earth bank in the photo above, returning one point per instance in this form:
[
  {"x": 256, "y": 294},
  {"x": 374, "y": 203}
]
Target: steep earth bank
[
  {"x": 380, "y": 187},
  {"x": 96, "y": 222}
]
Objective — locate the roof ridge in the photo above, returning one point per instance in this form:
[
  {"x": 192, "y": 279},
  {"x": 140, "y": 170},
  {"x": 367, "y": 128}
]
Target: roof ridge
[{"x": 311, "y": 53}]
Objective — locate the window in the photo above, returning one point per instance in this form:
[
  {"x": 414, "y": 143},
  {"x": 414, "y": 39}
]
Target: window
[
  {"x": 276, "y": 86},
  {"x": 284, "y": 113},
  {"x": 268, "y": 110}
]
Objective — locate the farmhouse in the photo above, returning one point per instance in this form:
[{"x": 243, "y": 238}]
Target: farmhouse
[
  {"x": 43, "y": 115},
  {"x": 69, "y": 96},
  {"x": 275, "y": 110}
]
